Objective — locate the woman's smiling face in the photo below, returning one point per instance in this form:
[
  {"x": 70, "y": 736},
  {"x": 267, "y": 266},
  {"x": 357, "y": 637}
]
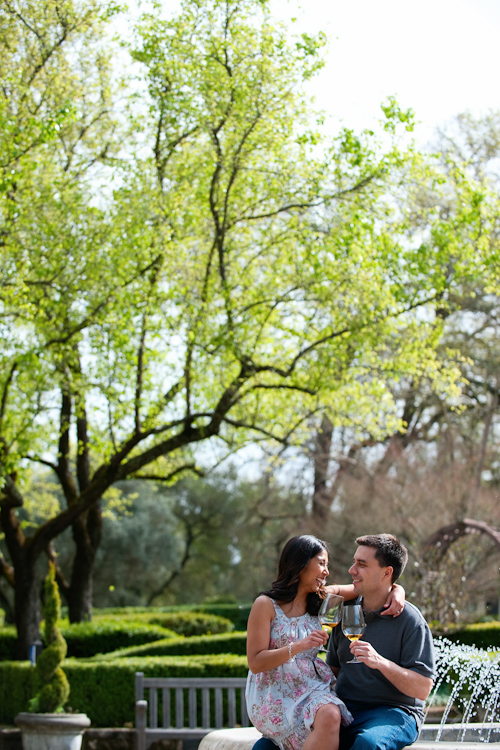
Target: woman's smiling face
[{"x": 315, "y": 573}]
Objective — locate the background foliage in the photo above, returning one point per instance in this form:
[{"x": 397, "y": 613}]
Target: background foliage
[{"x": 192, "y": 270}]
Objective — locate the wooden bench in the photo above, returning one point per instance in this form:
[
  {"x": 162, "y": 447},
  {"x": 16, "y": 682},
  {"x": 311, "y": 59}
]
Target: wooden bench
[{"x": 162, "y": 716}]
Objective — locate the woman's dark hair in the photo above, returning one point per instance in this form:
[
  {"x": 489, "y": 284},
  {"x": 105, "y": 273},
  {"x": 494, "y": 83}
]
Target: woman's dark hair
[{"x": 295, "y": 556}]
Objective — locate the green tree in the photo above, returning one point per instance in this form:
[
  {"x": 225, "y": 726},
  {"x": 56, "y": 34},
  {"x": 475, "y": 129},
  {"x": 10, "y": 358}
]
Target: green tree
[
  {"x": 56, "y": 128},
  {"x": 243, "y": 275},
  {"x": 442, "y": 466}
]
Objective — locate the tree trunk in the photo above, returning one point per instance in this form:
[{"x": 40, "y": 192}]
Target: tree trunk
[
  {"x": 24, "y": 553},
  {"x": 322, "y": 498},
  {"x": 27, "y": 608},
  {"x": 87, "y": 534}
]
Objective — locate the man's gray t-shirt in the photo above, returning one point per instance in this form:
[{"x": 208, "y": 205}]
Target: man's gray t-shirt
[{"x": 405, "y": 640}]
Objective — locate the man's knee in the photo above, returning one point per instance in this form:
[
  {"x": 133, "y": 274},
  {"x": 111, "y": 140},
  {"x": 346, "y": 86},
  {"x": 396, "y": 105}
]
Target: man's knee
[{"x": 369, "y": 741}]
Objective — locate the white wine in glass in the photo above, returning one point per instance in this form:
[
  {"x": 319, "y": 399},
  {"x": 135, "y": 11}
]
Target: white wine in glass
[
  {"x": 353, "y": 625},
  {"x": 330, "y": 613}
]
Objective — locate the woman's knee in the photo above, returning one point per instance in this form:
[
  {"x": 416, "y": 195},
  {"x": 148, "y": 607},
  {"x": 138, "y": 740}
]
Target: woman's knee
[{"x": 328, "y": 717}]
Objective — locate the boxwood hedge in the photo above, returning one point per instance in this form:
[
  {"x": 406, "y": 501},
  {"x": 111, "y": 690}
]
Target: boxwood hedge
[
  {"x": 104, "y": 690},
  {"x": 110, "y": 633},
  {"x": 481, "y": 634},
  {"x": 229, "y": 643},
  {"x": 237, "y": 613},
  {"x": 88, "y": 638},
  {"x": 7, "y": 642},
  {"x": 192, "y": 623}
]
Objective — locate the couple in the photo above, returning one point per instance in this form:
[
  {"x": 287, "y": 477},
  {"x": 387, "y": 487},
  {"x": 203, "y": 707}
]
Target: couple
[{"x": 293, "y": 698}]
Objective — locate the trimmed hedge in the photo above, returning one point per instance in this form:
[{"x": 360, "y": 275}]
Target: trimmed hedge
[
  {"x": 86, "y": 639},
  {"x": 104, "y": 690},
  {"x": 193, "y": 623},
  {"x": 229, "y": 643},
  {"x": 8, "y": 637},
  {"x": 111, "y": 633},
  {"x": 236, "y": 613},
  {"x": 17, "y": 687},
  {"x": 182, "y": 622},
  {"x": 481, "y": 634}
]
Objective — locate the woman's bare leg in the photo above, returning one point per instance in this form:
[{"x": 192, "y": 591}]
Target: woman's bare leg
[{"x": 325, "y": 730}]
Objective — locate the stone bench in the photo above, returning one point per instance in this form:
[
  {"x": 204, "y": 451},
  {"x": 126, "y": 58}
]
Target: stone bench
[
  {"x": 244, "y": 739},
  {"x": 170, "y": 707}
]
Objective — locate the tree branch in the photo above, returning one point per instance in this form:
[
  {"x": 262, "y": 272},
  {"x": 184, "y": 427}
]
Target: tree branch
[
  {"x": 169, "y": 477},
  {"x": 5, "y": 392}
]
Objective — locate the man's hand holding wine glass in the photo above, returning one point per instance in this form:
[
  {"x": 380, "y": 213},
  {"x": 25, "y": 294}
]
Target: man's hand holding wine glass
[{"x": 366, "y": 654}]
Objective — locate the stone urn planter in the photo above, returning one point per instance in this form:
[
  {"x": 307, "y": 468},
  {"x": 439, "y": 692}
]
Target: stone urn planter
[
  {"x": 52, "y": 731},
  {"x": 46, "y": 726}
]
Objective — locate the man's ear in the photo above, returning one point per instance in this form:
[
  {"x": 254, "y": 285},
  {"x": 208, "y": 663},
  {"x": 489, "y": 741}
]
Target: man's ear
[{"x": 388, "y": 572}]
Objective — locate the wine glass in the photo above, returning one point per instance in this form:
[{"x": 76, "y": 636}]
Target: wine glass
[
  {"x": 353, "y": 625},
  {"x": 330, "y": 613}
]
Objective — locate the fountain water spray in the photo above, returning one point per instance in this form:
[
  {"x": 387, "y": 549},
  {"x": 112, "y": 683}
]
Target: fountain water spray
[{"x": 471, "y": 677}]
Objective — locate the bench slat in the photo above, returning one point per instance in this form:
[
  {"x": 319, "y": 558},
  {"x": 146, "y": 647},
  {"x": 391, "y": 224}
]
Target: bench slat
[
  {"x": 231, "y": 706},
  {"x": 153, "y": 708},
  {"x": 205, "y": 707},
  {"x": 192, "y": 708},
  {"x": 166, "y": 707},
  {"x": 219, "y": 720},
  {"x": 179, "y": 707}
]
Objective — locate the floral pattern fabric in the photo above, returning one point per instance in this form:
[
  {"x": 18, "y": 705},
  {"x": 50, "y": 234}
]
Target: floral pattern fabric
[{"x": 283, "y": 702}]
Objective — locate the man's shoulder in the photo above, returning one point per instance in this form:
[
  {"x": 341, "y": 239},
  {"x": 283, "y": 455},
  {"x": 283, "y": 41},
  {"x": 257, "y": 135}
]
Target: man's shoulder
[
  {"x": 413, "y": 612},
  {"x": 412, "y": 619}
]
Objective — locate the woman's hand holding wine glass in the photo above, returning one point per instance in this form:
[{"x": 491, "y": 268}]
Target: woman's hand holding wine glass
[
  {"x": 353, "y": 625},
  {"x": 330, "y": 613}
]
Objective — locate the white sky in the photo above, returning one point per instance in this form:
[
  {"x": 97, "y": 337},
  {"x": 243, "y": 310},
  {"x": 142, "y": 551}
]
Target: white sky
[{"x": 439, "y": 57}]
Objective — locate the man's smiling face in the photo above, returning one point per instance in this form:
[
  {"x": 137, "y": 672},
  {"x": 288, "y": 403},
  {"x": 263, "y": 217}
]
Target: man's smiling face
[{"x": 368, "y": 576}]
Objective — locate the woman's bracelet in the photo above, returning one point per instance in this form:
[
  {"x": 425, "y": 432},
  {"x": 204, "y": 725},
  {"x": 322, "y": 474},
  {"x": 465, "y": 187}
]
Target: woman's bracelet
[{"x": 290, "y": 657}]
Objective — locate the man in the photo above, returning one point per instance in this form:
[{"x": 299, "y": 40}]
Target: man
[{"x": 387, "y": 691}]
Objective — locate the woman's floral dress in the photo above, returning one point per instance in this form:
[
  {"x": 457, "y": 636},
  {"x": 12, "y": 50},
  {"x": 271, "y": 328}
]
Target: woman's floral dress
[{"x": 282, "y": 703}]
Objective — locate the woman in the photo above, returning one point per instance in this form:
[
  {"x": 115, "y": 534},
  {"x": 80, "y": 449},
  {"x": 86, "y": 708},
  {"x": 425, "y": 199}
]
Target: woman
[{"x": 289, "y": 688}]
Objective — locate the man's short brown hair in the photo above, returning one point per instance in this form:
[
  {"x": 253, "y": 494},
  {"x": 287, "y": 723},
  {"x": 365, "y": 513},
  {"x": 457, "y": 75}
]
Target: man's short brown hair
[{"x": 388, "y": 551}]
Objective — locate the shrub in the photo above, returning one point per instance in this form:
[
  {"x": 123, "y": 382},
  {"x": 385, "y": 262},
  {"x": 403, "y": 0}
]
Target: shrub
[
  {"x": 236, "y": 613},
  {"x": 17, "y": 686},
  {"x": 481, "y": 634},
  {"x": 50, "y": 679},
  {"x": 229, "y": 643},
  {"x": 8, "y": 637},
  {"x": 193, "y": 623},
  {"x": 85, "y": 639},
  {"x": 113, "y": 632},
  {"x": 104, "y": 690},
  {"x": 181, "y": 622}
]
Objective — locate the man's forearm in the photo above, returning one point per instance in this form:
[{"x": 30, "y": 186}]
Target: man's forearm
[{"x": 405, "y": 680}]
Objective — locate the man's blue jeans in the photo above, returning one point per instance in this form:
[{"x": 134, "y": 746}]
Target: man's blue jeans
[{"x": 381, "y": 728}]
